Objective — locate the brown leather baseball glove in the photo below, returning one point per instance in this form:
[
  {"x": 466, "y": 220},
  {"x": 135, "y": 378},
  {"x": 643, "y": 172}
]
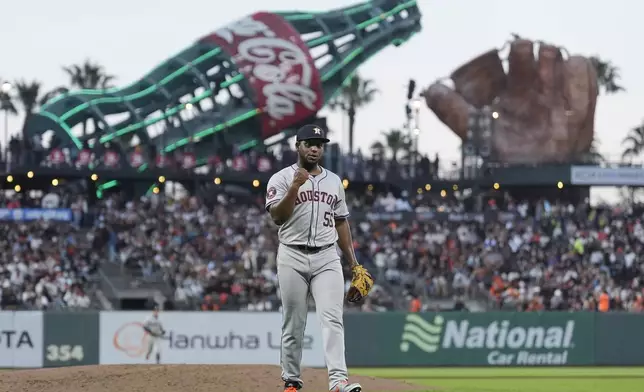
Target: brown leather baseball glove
[
  {"x": 545, "y": 103},
  {"x": 361, "y": 284}
]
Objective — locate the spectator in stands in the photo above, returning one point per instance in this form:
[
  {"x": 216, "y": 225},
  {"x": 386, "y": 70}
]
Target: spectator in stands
[
  {"x": 44, "y": 265},
  {"x": 218, "y": 253},
  {"x": 546, "y": 256}
]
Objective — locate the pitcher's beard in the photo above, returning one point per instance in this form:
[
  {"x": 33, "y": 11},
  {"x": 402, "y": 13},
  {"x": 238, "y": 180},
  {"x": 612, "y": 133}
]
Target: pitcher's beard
[{"x": 306, "y": 165}]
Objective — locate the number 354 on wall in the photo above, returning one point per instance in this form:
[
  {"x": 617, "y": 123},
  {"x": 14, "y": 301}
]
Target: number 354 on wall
[{"x": 65, "y": 353}]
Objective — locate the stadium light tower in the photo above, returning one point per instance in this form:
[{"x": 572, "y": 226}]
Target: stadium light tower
[
  {"x": 477, "y": 144},
  {"x": 416, "y": 104}
]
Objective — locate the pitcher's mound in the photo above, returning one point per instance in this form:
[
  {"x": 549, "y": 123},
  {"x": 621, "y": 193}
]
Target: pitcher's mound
[{"x": 177, "y": 378}]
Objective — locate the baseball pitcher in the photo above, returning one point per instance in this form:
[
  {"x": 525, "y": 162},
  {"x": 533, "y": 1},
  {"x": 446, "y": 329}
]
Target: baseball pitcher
[
  {"x": 154, "y": 328},
  {"x": 308, "y": 204}
]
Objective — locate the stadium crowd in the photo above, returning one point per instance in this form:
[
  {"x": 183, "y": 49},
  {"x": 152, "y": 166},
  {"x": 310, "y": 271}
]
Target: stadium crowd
[
  {"x": 45, "y": 264},
  {"x": 219, "y": 253}
]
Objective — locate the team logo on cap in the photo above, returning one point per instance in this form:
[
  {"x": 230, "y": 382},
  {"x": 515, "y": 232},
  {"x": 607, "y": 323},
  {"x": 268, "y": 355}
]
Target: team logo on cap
[{"x": 317, "y": 131}]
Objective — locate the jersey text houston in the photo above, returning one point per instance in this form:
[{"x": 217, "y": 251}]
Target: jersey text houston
[{"x": 320, "y": 201}]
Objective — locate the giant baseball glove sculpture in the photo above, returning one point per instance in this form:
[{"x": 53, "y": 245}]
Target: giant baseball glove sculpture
[
  {"x": 545, "y": 105},
  {"x": 361, "y": 284}
]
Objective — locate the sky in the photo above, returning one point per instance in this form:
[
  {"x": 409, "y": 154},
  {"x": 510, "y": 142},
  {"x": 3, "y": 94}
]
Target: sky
[{"x": 130, "y": 37}]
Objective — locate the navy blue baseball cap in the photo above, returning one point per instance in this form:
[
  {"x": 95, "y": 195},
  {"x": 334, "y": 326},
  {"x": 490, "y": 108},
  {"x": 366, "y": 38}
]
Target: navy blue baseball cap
[{"x": 310, "y": 132}]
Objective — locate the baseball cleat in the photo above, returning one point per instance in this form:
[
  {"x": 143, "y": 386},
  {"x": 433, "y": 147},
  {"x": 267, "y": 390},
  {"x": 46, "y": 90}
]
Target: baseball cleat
[
  {"x": 344, "y": 386},
  {"x": 291, "y": 387},
  {"x": 355, "y": 387}
]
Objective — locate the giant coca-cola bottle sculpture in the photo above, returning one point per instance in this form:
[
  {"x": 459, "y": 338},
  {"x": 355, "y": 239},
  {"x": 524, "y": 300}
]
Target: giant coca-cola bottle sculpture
[{"x": 258, "y": 76}]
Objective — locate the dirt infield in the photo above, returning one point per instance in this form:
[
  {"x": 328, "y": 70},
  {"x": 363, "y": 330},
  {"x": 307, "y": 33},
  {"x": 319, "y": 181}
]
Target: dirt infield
[{"x": 177, "y": 378}]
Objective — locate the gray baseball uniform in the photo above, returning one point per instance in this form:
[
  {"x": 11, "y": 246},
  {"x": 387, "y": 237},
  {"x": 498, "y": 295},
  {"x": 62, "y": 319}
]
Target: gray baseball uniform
[
  {"x": 307, "y": 261},
  {"x": 154, "y": 341}
]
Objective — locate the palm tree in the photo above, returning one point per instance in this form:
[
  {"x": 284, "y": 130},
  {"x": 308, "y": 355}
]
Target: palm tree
[
  {"x": 607, "y": 76},
  {"x": 354, "y": 95},
  {"x": 633, "y": 143},
  {"x": 8, "y": 107},
  {"x": 397, "y": 141},
  {"x": 29, "y": 96},
  {"x": 593, "y": 156},
  {"x": 633, "y": 146},
  {"x": 88, "y": 76}
]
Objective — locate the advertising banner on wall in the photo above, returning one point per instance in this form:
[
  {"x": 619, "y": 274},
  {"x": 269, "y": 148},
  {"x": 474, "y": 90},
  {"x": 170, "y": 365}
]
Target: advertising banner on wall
[
  {"x": 471, "y": 339},
  {"x": 70, "y": 339},
  {"x": 32, "y": 214},
  {"x": 21, "y": 336},
  {"x": 203, "y": 338},
  {"x": 606, "y": 176}
]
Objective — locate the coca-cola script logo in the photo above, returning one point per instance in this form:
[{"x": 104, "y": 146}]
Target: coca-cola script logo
[{"x": 270, "y": 52}]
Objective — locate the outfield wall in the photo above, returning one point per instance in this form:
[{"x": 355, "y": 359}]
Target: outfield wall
[
  {"x": 52, "y": 339},
  {"x": 495, "y": 339}
]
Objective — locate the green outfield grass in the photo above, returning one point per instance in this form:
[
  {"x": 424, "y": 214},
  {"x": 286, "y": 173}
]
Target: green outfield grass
[{"x": 561, "y": 379}]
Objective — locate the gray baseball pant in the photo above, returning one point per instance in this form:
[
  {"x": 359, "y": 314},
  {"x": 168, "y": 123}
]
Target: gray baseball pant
[{"x": 320, "y": 274}]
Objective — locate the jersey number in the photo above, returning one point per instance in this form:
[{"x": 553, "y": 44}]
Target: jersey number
[{"x": 329, "y": 221}]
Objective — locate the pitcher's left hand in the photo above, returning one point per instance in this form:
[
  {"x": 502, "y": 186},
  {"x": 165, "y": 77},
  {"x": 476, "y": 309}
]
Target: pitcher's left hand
[{"x": 361, "y": 284}]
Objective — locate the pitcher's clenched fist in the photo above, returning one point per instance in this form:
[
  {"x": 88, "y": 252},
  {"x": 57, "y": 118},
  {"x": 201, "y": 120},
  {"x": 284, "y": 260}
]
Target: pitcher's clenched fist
[
  {"x": 300, "y": 177},
  {"x": 545, "y": 103}
]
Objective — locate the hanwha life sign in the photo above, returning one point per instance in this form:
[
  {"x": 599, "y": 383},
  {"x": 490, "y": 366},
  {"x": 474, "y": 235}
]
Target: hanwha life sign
[{"x": 204, "y": 338}]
